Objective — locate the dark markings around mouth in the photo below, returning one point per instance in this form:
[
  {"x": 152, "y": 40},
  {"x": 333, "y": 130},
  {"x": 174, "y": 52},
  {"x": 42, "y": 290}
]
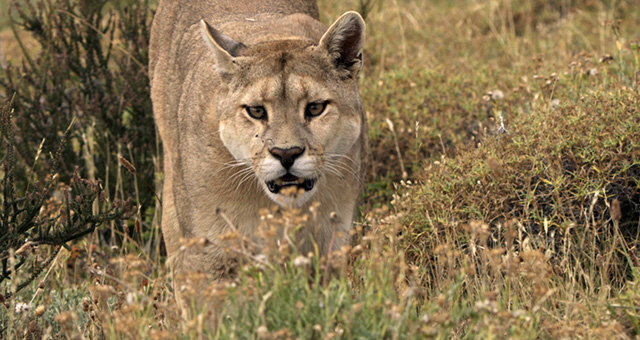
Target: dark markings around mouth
[{"x": 290, "y": 180}]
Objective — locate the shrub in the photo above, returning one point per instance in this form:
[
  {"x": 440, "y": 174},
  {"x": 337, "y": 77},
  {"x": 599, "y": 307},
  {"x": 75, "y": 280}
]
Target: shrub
[
  {"x": 90, "y": 71},
  {"x": 36, "y": 219}
]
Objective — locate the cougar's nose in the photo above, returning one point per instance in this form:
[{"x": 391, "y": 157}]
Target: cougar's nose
[{"x": 286, "y": 156}]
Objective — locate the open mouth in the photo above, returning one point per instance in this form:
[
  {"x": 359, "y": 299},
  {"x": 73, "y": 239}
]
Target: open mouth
[{"x": 290, "y": 180}]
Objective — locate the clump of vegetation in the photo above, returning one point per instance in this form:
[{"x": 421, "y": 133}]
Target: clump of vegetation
[
  {"x": 544, "y": 213},
  {"x": 503, "y": 200},
  {"x": 88, "y": 69},
  {"x": 35, "y": 221}
]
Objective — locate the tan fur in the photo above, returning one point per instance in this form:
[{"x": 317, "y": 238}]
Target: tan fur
[{"x": 208, "y": 59}]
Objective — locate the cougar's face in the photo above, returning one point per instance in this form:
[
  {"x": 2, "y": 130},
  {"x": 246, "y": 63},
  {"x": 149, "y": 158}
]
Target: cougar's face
[
  {"x": 289, "y": 110},
  {"x": 292, "y": 122}
]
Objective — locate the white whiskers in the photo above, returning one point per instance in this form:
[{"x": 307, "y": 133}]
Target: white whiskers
[{"x": 338, "y": 164}]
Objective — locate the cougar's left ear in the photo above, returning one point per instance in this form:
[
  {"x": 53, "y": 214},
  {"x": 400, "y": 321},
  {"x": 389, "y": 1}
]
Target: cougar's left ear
[
  {"x": 343, "y": 41},
  {"x": 224, "y": 48}
]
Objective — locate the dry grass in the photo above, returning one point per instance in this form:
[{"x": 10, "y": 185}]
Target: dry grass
[{"x": 503, "y": 200}]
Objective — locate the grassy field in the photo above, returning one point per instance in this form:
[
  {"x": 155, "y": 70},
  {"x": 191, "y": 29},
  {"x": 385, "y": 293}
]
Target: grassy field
[{"x": 503, "y": 199}]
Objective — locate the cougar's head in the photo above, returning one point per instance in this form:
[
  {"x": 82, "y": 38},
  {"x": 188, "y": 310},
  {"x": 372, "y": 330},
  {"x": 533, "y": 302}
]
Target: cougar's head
[{"x": 289, "y": 110}]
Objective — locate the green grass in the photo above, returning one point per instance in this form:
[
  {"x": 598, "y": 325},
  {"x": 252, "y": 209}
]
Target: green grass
[{"x": 465, "y": 230}]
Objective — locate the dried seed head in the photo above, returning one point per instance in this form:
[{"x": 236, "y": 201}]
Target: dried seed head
[
  {"x": 64, "y": 318},
  {"x": 40, "y": 310},
  {"x": 263, "y": 332},
  {"x": 202, "y": 242},
  {"x": 22, "y": 307},
  {"x": 606, "y": 58},
  {"x": 86, "y": 304},
  {"x": 497, "y": 95},
  {"x": 291, "y": 191},
  {"x": 616, "y": 213},
  {"x": 333, "y": 216},
  {"x": 356, "y": 307},
  {"x": 301, "y": 261},
  {"x": 127, "y": 165},
  {"x": 495, "y": 166}
]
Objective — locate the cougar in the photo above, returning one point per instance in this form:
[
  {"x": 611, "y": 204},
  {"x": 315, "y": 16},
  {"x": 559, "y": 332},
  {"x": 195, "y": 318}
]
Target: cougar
[{"x": 257, "y": 105}]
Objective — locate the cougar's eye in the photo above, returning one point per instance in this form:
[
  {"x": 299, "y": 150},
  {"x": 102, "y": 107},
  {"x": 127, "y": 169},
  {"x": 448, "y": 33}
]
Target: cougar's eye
[
  {"x": 256, "y": 112},
  {"x": 315, "y": 109}
]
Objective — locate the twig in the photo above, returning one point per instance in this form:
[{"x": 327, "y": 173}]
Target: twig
[
  {"x": 143, "y": 67},
  {"x": 395, "y": 141}
]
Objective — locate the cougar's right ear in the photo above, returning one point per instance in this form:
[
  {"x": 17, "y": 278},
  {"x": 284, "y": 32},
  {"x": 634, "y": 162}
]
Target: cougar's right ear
[
  {"x": 224, "y": 48},
  {"x": 343, "y": 42}
]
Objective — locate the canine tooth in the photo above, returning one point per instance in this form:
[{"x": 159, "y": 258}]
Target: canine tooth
[
  {"x": 279, "y": 181},
  {"x": 300, "y": 180}
]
